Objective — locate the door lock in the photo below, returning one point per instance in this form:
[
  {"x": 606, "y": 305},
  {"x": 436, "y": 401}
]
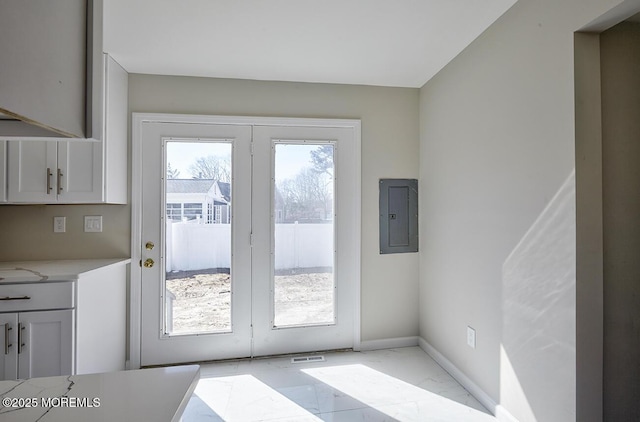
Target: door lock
[
  {"x": 148, "y": 263},
  {"x": 149, "y": 245}
]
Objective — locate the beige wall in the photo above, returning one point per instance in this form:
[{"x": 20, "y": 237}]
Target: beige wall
[
  {"x": 498, "y": 224},
  {"x": 620, "y": 58},
  {"x": 389, "y": 149},
  {"x": 26, "y": 232}
]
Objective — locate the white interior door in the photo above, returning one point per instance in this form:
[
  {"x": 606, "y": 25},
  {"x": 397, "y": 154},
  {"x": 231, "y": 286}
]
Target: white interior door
[{"x": 250, "y": 236}]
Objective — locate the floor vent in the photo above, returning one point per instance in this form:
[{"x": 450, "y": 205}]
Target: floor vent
[{"x": 303, "y": 359}]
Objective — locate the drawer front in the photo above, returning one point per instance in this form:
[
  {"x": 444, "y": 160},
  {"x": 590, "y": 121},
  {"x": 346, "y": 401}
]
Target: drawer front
[{"x": 36, "y": 296}]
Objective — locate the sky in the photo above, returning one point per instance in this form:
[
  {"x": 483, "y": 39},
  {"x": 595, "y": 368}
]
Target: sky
[{"x": 290, "y": 159}]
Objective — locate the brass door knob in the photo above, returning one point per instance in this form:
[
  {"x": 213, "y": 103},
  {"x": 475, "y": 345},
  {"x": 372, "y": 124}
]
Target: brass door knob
[
  {"x": 149, "y": 245},
  {"x": 148, "y": 263}
]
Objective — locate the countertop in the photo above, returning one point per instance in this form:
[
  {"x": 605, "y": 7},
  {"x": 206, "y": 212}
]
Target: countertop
[
  {"x": 52, "y": 270},
  {"x": 155, "y": 394}
]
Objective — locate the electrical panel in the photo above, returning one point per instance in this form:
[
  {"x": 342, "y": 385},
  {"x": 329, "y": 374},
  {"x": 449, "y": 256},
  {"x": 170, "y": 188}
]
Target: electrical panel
[{"x": 398, "y": 215}]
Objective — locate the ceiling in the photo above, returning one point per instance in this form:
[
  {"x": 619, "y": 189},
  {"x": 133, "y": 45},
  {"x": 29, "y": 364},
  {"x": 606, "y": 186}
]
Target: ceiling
[{"x": 401, "y": 43}]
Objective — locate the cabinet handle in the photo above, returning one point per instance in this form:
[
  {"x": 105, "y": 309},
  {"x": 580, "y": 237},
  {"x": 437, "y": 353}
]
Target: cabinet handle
[
  {"x": 60, "y": 181},
  {"x": 15, "y": 298},
  {"x": 20, "y": 343},
  {"x": 7, "y": 328},
  {"x": 49, "y": 174}
]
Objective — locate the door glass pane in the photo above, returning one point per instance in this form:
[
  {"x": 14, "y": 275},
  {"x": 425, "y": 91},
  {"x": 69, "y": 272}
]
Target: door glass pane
[
  {"x": 198, "y": 272},
  {"x": 303, "y": 214}
]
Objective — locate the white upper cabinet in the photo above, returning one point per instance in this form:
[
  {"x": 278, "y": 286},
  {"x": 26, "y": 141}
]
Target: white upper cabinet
[
  {"x": 114, "y": 132},
  {"x": 82, "y": 171},
  {"x": 89, "y": 170},
  {"x": 43, "y": 68},
  {"x": 32, "y": 168},
  {"x": 54, "y": 172}
]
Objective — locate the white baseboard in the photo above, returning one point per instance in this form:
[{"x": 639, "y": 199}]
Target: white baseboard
[
  {"x": 389, "y": 343},
  {"x": 500, "y": 412}
]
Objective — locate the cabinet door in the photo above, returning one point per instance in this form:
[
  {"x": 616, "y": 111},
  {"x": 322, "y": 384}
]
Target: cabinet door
[
  {"x": 32, "y": 168},
  {"x": 9, "y": 345},
  {"x": 46, "y": 344},
  {"x": 80, "y": 168},
  {"x": 3, "y": 171}
]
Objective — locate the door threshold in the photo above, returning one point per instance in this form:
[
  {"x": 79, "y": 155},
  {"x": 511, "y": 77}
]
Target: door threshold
[{"x": 303, "y": 355}]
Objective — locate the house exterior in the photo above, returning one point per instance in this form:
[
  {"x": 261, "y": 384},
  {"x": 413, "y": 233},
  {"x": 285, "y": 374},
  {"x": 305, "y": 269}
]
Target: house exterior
[{"x": 204, "y": 201}]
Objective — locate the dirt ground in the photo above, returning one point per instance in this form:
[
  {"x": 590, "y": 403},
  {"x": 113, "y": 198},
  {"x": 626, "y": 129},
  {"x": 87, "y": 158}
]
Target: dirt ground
[{"x": 202, "y": 300}]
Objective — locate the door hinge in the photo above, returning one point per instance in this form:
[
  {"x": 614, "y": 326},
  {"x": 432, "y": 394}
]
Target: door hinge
[
  {"x": 251, "y": 239},
  {"x": 252, "y": 148}
]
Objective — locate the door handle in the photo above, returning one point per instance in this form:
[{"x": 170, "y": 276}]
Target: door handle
[
  {"x": 49, "y": 175},
  {"x": 15, "y": 298},
  {"x": 59, "y": 180},
  {"x": 148, "y": 263},
  {"x": 20, "y": 343},
  {"x": 7, "y": 328}
]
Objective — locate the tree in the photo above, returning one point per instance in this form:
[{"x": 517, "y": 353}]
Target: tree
[
  {"x": 322, "y": 159},
  {"x": 171, "y": 172},
  {"x": 307, "y": 196},
  {"x": 213, "y": 167}
]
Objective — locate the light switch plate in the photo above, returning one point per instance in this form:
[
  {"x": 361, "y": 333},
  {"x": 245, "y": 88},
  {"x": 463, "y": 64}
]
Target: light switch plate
[
  {"x": 93, "y": 223},
  {"x": 59, "y": 224}
]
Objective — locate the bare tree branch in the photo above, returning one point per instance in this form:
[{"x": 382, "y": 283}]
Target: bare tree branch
[{"x": 212, "y": 167}]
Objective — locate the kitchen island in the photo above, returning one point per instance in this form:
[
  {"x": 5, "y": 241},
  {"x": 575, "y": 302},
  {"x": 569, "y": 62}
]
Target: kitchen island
[{"x": 155, "y": 394}]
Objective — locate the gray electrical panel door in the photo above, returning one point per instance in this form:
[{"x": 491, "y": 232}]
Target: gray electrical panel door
[{"x": 398, "y": 215}]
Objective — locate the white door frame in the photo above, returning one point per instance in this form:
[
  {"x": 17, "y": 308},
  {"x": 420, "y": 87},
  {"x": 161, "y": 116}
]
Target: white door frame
[{"x": 138, "y": 119}]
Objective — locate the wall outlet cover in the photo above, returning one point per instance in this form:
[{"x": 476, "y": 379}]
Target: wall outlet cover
[
  {"x": 59, "y": 224},
  {"x": 93, "y": 223},
  {"x": 471, "y": 337}
]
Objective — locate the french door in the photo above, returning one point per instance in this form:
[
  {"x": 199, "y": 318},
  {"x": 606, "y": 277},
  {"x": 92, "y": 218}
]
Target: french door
[{"x": 249, "y": 237}]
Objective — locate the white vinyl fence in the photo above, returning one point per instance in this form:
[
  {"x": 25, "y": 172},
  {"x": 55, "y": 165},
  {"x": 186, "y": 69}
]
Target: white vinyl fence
[{"x": 200, "y": 246}]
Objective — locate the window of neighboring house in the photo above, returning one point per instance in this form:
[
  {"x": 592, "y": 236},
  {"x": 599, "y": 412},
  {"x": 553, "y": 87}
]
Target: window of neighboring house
[
  {"x": 192, "y": 210},
  {"x": 218, "y": 214},
  {"x": 209, "y": 213},
  {"x": 174, "y": 211}
]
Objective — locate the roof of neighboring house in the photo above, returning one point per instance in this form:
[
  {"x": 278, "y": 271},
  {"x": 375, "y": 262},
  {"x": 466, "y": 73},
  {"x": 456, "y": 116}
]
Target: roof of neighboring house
[
  {"x": 225, "y": 190},
  {"x": 189, "y": 185}
]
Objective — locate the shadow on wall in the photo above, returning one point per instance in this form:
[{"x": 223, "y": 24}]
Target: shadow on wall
[{"x": 538, "y": 353}]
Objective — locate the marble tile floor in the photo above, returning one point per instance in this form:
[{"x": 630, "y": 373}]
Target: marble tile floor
[{"x": 402, "y": 384}]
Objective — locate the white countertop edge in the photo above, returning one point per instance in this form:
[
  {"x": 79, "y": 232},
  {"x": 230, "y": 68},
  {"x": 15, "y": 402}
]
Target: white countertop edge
[
  {"x": 53, "y": 270},
  {"x": 187, "y": 396},
  {"x": 111, "y": 388}
]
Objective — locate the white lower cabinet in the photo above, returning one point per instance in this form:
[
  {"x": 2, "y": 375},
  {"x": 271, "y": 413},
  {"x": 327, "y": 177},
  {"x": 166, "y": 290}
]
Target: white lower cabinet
[
  {"x": 64, "y": 327},
  {"x": 9, "y": 356},
  {"x": 37, "y": 344}
]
